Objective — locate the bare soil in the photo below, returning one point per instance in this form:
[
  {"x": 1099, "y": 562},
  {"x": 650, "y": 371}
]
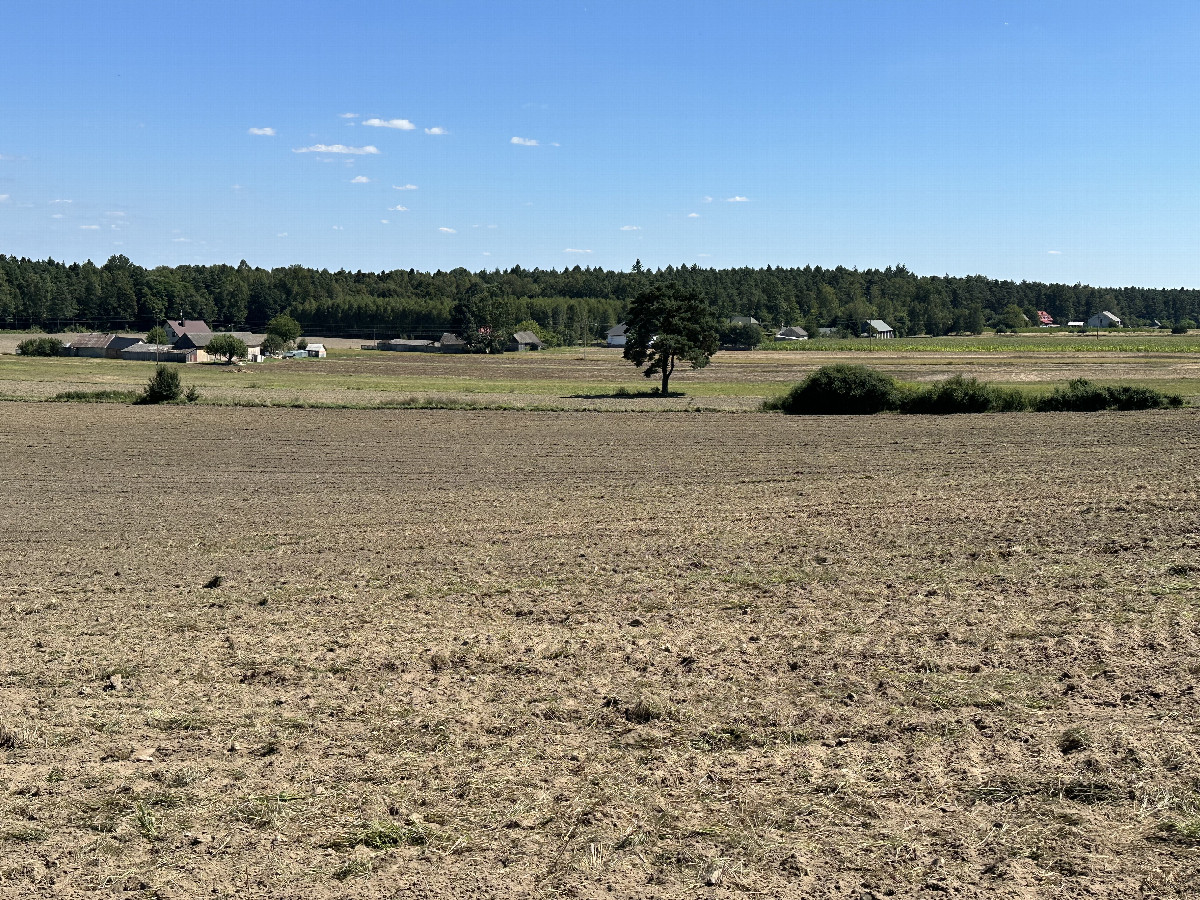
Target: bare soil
[{"x": 338, "y": 653}]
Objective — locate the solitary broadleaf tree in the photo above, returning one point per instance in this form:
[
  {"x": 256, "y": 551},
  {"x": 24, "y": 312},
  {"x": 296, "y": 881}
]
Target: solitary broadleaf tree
[
  {"x": 228, "y": 346},
  {"x": 667, "y": 324}
]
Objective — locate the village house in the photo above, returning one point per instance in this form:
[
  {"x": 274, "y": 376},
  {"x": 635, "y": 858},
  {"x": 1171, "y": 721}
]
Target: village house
[
  {"x": 177, "y": 329},
  {"x": 524, "y": 340},
  {"x": 616, "y": 335},
  {"x": 100, "y": 345},
  {"x": 143, "y": 352},
  {"x": 791, "y": 333},
  {"x": 1045, "y": 320},
  {"x": 1104, "y": 320}
]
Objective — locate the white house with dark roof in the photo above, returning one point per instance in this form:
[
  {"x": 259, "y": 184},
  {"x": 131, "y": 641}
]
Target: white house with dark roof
[
  {"x": 791, "y": 333},
  {"x": 616, "y": 335}
]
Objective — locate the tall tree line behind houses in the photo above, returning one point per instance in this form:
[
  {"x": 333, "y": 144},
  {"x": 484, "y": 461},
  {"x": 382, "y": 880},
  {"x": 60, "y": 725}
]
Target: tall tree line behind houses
[{"x": 576, "y": 304}]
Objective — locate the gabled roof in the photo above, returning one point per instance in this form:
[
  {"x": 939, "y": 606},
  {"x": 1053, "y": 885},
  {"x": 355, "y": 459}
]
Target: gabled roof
[
  {"x": 879, "y": 324},
  {"x": 451, "y": 338},
  {"x": 618, "y": 330},
  {"x": 92, "y": 340},
  {"x": 1106, "y": 315},
  {"x": 791, "y": 331},
  {"x": 527, "y": 337},
  {"x": 187, "y": 326},
  {"x": 202, "y": 339}
]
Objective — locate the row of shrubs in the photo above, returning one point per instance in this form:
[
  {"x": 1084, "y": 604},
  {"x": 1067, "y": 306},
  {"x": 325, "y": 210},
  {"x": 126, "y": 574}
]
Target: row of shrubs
[
  {"x": 43, "y": 346},
  {"x": 844, "y": 389}
]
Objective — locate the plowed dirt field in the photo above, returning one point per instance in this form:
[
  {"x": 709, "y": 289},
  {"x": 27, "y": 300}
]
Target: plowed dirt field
[{"x": 337, "y": 653}]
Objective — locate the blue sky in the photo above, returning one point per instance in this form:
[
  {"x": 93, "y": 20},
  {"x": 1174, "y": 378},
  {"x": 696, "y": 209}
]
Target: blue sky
[{"x": 1041, "y": 140}]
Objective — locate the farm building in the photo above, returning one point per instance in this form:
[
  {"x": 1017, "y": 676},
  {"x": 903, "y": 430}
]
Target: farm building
[
  {"x": 1045, "y": 320},
  {"x": 743, "y": 320},
  {"x": 791, "y": 333},
  {"x": 827, "y": 332},
  {"x": 1076, "y": 324},
  {"x": 1104, "y": 320},
  {"x": 877, "y": 328},
  {"x": 143, "y": 352},
  {"x": 452, "y": 343},
  {"x": 177, "y": 329},
  {"x": 100, "y": 345},
  {"x": 200, "y": 340},
  {"x": 404, "y": 345},
  {"x": 525, "y": 340},
  {"x": 316, "y": 351},
  {"x": 616, "y": 335}
]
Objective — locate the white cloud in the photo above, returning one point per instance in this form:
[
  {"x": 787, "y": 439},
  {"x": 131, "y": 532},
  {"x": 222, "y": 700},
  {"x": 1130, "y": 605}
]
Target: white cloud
[
  {"x": 401, "y": 124},
  {"x": 487, "y": 252},
  {"x": 338, "y": 228},
  {"x": 116, "y": 215},
  {"x": 347, "y": 115},
  {"x": 405, "y": 187},
  {"x": 737, "y": 199},
  {"x": 265, "y": 132},
  {"x": 397, "y": 208},
  {"x": 383, "y": 221},
  {"x": 3, "y": 198},
  {"x": 693, "y": 215},
  {"x": 631, "y": 227},
  {"x": 181, "y": 240},
  {"x": 524, "y": 142},
  {"x": 61, "y": 201},
  {"x": 338, "y": 148},
  {"x": 573, "y": 250},
  {"x": 8, "y": 157},
  {"x": 445, "y": 230},
  {"x": 58, "y": 216},
  {"x": 1054, "y": 252},
  {"x": 86, "y": 227},
  {"x": 436, "y": 129},
  {"x": 360, "y": 179},
  {"x": 708, "y": 199},
  {"x": 281, "y": 234}
]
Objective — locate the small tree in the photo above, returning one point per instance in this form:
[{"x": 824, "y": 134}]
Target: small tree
[
  {"x": 157, "y": 335},
  {"x": 228, "y": 346},
  {"x": 164, "y": 386},
  {"x": 667, "y": 324},
  {"x": 302, "y": 344},
  {"x": 273, "y": 344},
  {"x": 286, "y": 327},
  {"x": 741, "y": 334},
  {"x": 44, "y": 346}
]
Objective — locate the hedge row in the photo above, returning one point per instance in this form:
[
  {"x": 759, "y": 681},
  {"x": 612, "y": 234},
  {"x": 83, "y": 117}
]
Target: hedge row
[{"x": 845, "y": 389}]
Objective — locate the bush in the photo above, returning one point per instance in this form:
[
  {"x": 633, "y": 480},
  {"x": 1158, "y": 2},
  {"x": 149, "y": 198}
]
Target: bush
[
  {"x": 1082, "y": 395},
  {"x": 840, "y": 389},
  {"x": 44, "y": 346},
  {"x": 963, "y": 395},
  {"x": 273, "y": 344},
  {"x": 164, "y": 387},
  {"x": 157, "y": 335},
  {"x": 1183, "y": 326}
]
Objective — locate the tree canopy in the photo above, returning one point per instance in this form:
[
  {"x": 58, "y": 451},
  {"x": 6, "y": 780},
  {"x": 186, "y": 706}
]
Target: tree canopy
[
  {"x": 667, "y": 324},
  {"x": 228, "y": 346}
]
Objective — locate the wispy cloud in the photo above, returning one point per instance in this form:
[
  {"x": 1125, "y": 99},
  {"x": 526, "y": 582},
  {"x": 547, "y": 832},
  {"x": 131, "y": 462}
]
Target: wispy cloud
[
  {"x": 360, "y": 179},
  {"x": 693, "y": 215},
  {"x": 116, "y": 215},
  {"x": 738, "y": 199},
  {"x": 338, "y": 228},
  {"x": 61, "y": 201},
  {"x": 338, "y": 148},
  {"x": 446, "y": 230},
  {"x": 181, "y": 240},
  {"x": 383, "y": 221},
  {"x": 397, "y": 208},
  {"x": 8, "y": 157},
  {"x": 524, "y": 142},
  {"x": 708, "y": 199},
  {"x": 405, "y": 187},
  {"x": 573, "y": 250},
  {"x": 1054, "y": 252},
  {"x": 631, "y": 227},
  {"x": 347, "y": 115},
  {"x": 436, "y": 129},
  {"x": 90, "y": 227},
  {"x": 281, "y": 234},
  {"x": 401, "y": 124},
  {"x": 4, "y": 198},
  {"x": 265, "y": 132},
  {"x": 58, "y": 216}
]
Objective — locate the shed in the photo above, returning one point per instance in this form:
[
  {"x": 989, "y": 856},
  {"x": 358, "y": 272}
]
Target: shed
[
  {"x": 403, "y": 345},
  {"x": 525, "y": 340},
  {"x": 827, "y": 332},
  {"x": 452, "y": 343},
  {"x": 177, "y": 329},
  {"x": 616, "y": 335},
  {"x": 743, "y": 320},
  {"x": 791, "y": 333},
  {"x": 143, "y": 352},
  {"x": 316, "y": 351},
  {"x": 100, "y": 345},
  {"x": 877, "y": 328},
  {"x": 1104, "y": 320},
  {"x": 1076, "y": 324}
]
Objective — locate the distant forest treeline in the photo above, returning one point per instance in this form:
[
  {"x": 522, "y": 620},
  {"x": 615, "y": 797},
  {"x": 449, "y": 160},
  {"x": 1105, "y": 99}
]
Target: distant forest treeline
[{"x": 577, "y": 303}]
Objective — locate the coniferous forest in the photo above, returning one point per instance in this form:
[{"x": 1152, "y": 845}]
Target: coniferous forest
[{"x": 575, "y": 304}]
